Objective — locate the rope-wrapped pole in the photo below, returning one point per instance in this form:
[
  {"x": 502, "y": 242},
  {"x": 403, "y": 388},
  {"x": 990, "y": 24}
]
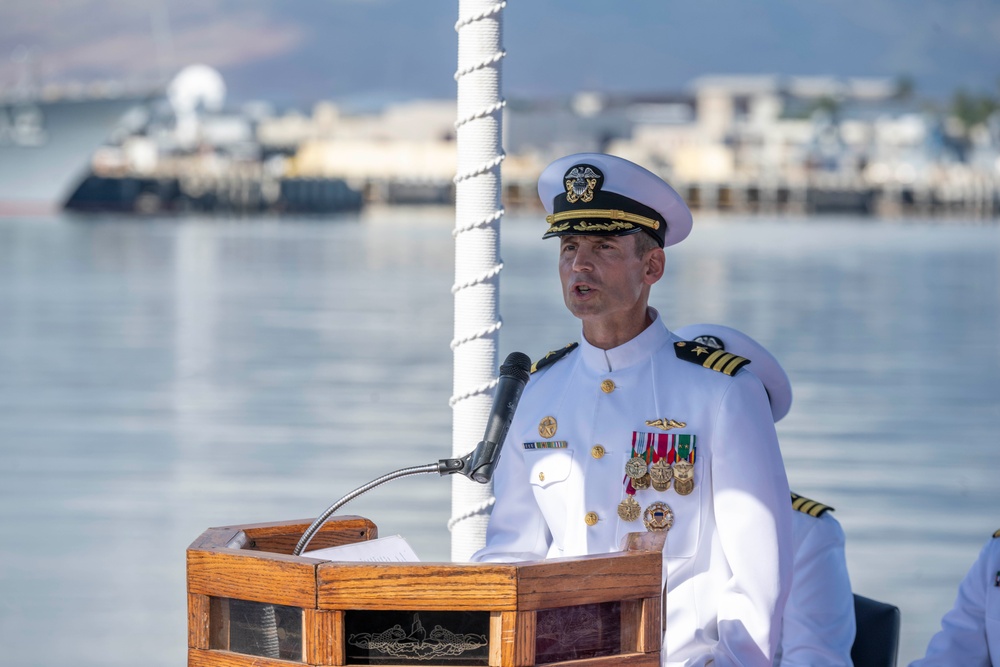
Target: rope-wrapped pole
[{"x": 478, "y": 213}]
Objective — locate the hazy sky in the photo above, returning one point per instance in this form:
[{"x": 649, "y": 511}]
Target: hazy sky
[{"x": 303, "y": 50}]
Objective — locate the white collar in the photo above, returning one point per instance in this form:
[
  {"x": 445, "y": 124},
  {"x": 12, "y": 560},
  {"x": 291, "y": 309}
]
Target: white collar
[{"x": 635, "y": 351}]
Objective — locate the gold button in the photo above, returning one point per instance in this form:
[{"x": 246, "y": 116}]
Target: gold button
[
  {"x": 607, "y": 386},
  {"x": 541, "y": 477},
  {"x": 597, "y": 451},
  {"x": 591, "y": 518}
]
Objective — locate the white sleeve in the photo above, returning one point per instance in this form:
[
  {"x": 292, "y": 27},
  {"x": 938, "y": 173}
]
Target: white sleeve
[
  {"x": 819, "y": 624},
  {"x": 753, "y": 514},
  {"x": 962, "y": 637}
]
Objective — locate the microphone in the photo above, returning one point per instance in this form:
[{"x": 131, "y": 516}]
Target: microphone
[
  {"x": 477, "y": 464},
  {"x": 480, "y": 463}
]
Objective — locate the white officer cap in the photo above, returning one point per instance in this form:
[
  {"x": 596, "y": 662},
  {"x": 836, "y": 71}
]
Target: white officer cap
[
  {"x": 762, "y": 363},
  {"x": 605, "y": 195}
]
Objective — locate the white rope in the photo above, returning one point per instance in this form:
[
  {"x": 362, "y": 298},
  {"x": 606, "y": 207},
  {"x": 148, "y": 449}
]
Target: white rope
[
  {"x": 481, "y": 389},
  {"x": 477, "y": 263},
  {"x": 493, "y": 108},
  {"x": 482, "y": 333},
  {"x": 454, "y": 521},
  {"x": 492, "y": 60},
  {"x": 481, "y": 169},
  {"x": 499, "y": 213},
  {"x": 488, "y": 12},
  {"x": 482, "y": 278}
]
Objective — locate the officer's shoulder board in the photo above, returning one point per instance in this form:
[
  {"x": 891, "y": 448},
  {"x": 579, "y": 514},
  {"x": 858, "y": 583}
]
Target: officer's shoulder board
[
  {"x": 709, "y": 357},
  {"x": 810, "y": 507},
  {"x": 996, "y": 534},
  {"x": 552, "y": 357}
]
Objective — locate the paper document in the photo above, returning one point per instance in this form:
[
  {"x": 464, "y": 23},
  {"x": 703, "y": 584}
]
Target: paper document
[{"x": 392, "y": 549}]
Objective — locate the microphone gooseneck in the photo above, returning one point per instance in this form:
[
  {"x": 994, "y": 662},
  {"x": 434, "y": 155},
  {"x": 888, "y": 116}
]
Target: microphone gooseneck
[{"x": 477, "y": 464}]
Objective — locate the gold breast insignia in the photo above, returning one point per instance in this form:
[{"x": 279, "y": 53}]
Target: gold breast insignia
[
  {"x": 665, "y": 424},
  {"x": 547, "y": 427}
]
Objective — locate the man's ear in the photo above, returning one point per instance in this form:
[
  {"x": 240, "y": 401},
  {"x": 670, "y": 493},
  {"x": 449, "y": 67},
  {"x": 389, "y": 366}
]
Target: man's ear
[{"x": 655, "y": 261}]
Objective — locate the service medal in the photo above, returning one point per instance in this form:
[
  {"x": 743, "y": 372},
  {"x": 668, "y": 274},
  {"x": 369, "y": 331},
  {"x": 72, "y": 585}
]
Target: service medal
[
  {"x": 683, "y": 477},
  {"x": 661, "y": 473},
  {"x": 636, "y": 467},
  {"x": 658, "y": 516},
  {"x": 629, "y": 509},
  {"x": 642, "y": 483}
]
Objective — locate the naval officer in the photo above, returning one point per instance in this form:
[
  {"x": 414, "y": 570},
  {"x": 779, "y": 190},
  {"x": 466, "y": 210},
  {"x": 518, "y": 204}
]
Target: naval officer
[
  {"x": 818, "y": 626},
  {"x": 632, "y": 429},
  {"x": 970, "y": 631}
]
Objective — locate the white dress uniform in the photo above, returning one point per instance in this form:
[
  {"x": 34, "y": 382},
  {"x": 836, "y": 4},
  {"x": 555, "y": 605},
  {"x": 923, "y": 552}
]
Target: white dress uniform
[
  {"x": 970, "y": 631},
  {"x": 819, "y": 625},
  {"x": 727, "y": 558}
]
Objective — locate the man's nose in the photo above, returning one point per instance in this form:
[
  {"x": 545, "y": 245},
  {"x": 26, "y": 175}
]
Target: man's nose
[{"x": 583, "y": 259}]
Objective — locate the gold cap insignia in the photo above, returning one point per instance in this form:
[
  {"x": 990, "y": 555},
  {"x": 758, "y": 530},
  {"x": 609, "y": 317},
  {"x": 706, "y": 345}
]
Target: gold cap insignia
[{"x": 581, "y": 182}]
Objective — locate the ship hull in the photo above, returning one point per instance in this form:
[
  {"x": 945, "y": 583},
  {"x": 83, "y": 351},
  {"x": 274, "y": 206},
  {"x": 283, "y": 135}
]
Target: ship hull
[{"x": 46, "y": 148}]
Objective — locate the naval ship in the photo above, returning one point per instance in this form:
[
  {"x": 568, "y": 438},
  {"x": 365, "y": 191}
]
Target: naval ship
[{"x": 47, "y": 140}]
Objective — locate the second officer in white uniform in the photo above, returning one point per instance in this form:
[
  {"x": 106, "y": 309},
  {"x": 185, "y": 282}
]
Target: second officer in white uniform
[
  {"x": 634, "y": 429},
  {"x": 818, "y": 627}
]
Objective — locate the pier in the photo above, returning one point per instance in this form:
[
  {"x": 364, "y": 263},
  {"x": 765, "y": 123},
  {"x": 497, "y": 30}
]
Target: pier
[{"x": 817, "y": 196}]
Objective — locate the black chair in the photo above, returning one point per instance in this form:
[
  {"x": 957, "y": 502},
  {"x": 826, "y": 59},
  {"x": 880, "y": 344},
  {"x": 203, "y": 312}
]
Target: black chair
[{"x": 876, "y": 643}]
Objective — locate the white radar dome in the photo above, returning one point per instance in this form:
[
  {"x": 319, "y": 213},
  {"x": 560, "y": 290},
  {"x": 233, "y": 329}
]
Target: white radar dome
[{"x": 197, "y": 87}]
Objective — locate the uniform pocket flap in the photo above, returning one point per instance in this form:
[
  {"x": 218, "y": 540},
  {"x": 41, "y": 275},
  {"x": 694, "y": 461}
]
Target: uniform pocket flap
[{"x": 550, "y": 467}]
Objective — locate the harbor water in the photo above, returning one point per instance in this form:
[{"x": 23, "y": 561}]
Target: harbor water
[{"x": 162, "y": 376}]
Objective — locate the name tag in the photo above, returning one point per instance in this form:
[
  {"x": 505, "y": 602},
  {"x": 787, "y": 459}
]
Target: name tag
[{"x": 552, "y": 444}]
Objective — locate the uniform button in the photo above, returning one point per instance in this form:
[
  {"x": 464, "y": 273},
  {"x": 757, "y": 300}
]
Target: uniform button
[
  {"x": 591, "y": 518},
  {"x": 597, "y": 451},
  {"x": 541, "y": 477},
  {"x": 607, "y": 386}
]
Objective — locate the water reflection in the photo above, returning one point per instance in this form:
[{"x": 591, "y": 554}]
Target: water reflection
[{"x": 160, "y": 377}]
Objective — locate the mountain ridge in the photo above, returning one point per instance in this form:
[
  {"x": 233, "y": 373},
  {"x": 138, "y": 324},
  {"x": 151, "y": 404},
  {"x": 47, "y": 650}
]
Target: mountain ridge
[{"x": 301, "y": 52}]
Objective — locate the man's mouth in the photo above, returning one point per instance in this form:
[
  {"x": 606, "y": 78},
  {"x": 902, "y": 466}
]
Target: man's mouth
[{"x": 582, "y": 289}]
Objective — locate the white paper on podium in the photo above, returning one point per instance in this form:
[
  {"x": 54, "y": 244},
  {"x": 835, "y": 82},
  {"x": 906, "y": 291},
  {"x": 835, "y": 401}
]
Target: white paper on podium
[{"x": 392, "y": 549}]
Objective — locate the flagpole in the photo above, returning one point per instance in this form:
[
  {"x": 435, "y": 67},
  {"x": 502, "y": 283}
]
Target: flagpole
[{"x": 478, "y": 212}]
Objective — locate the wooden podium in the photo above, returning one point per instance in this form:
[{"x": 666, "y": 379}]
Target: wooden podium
[{"x": 250, "y": 602}]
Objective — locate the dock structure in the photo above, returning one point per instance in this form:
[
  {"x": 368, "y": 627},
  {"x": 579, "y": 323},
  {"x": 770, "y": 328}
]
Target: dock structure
[
  {"x": 256, "y": 192},
  {"x": 764, "y": 145},
  {"x": 978, "y": 199}
]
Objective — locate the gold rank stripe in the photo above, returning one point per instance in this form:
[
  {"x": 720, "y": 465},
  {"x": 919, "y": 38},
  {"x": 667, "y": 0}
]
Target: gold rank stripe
[
  {"x": 604, "y": 213},
  {"x": 723, "y": 361},
  {"x": 807, "y": 506}
]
